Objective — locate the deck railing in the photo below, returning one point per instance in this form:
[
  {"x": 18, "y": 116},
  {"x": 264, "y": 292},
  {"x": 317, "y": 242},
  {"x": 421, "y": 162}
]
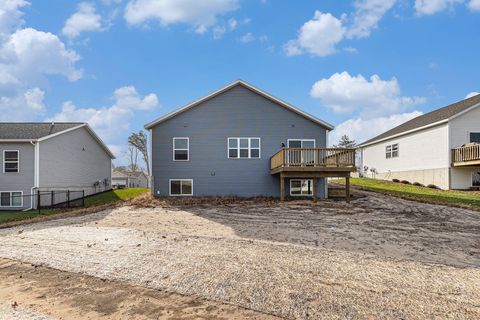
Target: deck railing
[
  {"x": 466, "y": 154},
  {"x": 313, "y": 157}
]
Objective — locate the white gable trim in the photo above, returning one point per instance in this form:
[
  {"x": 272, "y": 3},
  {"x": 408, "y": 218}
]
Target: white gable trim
[
  {"x": 248, "y": 86},
  {"x": 403, "y": 133},
  {"x": 92, "y": 133},
  {"x": 464, "y": 111}
]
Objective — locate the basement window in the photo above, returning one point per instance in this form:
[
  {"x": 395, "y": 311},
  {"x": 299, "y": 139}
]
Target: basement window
[
  {"x": 476, "y": 179},
  {"x": 181, "y": 187},
  {"x": 10, "y": 161},
  {"x": 11, "y": 199}
]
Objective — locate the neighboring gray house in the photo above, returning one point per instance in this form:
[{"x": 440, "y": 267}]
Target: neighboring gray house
[
  {"x": 50, "y": 157},
  {"x": 122, "y": 179},
  {"x": 242, "y": 141}
]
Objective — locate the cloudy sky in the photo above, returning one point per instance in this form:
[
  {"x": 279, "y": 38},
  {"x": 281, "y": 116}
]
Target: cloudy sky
[{"x": 362, "y": 65}]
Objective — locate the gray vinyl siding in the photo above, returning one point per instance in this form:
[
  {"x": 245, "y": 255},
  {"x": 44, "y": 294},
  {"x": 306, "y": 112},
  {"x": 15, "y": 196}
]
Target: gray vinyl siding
[
  {"x": 75, "y": 161},
  {"x": 24, "y": 179},
  {"x": 237, "y": 112}
]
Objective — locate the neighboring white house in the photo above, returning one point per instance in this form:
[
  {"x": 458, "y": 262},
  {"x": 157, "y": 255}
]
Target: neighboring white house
[
  {"x": 440, "y": 148},
  {"x": 122, "y": 179},
  {"x": 46, "y": 158}
]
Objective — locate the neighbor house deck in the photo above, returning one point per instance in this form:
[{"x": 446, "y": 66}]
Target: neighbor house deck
[
  {"x": 466, "y": 156},
  {"x": 313, "y": 163}
]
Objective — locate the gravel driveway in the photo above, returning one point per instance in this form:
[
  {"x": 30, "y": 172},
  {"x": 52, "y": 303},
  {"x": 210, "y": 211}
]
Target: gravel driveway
[{"x": 370, "y": 258}]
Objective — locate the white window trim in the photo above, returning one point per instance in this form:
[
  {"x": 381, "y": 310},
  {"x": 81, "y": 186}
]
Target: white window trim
[
  {"x": 188, "y": 148},
  {"x": 314, "y": 141},
  {"x": 300, "y": 195},
  {"x": 391, "y": 151},
  {"x": 178, "y": 195},
  {"x": 249, "y": 148},
  {"x": 18, "y": 160},
  {"x": 10, "y": 206}
]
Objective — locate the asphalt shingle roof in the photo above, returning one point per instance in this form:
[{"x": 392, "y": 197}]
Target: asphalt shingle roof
[
  {"x": 11, "y": 130},
  {"x": 429, "y": 118}
]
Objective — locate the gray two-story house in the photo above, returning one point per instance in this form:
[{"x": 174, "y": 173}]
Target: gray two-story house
[
  {"x": 41, "y": 157},
  {"x": 242, "y": 141}
]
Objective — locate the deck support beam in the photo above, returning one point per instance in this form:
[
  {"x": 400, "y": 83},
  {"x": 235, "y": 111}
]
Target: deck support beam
[
  {"x": 314, "y": 190},
  {"x": 347, "y": 188},
  {"x": 282, "y": 187}
]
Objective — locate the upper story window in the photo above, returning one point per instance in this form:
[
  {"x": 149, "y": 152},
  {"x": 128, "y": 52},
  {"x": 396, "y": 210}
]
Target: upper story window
[
  {"x": 244, "y": 148},
  {"x": 475, "y": 137},
  {"x": 391, "y": 151},
  {"x": 10, "y": 161},
  {"x": 181, "y": 149}
]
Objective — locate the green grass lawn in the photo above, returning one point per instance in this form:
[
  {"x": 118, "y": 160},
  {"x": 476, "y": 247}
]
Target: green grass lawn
[
  {"x": 99, "y": 199},
  {"x": 468, "y": 199}
]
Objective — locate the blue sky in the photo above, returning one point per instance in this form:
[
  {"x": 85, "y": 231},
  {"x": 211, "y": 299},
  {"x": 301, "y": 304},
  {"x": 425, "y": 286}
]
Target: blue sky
[{"x": 363, "y": 65}]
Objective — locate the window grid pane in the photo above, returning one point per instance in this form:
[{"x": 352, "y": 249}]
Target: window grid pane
[
  {"x": 5, "y": 199},
  {"x": 16, "y": 199},
  {"x": 244, "y": 148}
]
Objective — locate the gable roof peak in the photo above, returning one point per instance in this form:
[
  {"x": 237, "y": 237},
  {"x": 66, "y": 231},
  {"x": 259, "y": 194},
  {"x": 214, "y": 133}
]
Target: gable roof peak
[{"x": 249, "y": 87}]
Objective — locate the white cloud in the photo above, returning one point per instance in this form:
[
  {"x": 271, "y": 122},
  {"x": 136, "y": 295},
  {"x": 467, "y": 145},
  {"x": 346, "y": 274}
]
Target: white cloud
[
  {"x": 360, "y": 130},
  {"x": 474, "y": 5},
  {"x": 321, "y": 35},
  {"x": 318, "y": 36},
  {"x": 371, "y": 98},
  {"x": 23, "y": 106},
  {"x": 85, "y": 19},
  {"x": 11, "y": 16},
  {"x": 27, "y": 57},
  {"x": 429, "y": 7},
  {"x": 109, "y": 121},
  {"x": 248, "y": 37},
  {"x": 367, "y": 15},
  {"x": 199, "y": 14},
  {"x": 471, "y": 94}
]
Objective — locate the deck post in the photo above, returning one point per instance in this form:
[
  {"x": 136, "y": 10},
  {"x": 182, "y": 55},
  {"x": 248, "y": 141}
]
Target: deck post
[
  {"x": 347, "y": 187},
  {"x": 282, "y": 187},
  {"x": 314, "y": 190}
]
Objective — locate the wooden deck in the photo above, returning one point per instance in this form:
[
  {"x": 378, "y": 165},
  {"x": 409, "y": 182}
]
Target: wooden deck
[
  {"x": 313, "y": 163},
  {"x": 466, "y": 156}
]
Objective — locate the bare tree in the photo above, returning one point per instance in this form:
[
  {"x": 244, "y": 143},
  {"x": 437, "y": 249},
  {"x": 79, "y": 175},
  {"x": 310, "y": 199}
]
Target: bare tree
[
  {"x": 140, "y": 142},
  {"x": 133, "y": 153}
]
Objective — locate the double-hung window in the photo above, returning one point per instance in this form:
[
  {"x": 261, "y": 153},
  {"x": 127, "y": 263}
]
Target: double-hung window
[
  {"x": 181, "y": 149},
  {"x": 11, "y": 199},
  {"x": 391, "y": 151},
  {"x": 10, "y": 161},
  {"x": 244, "y": 148},
  {"x": 181, "y": 187}
]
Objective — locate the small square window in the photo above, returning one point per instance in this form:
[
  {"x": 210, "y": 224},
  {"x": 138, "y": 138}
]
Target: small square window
[
  {"x": 255, "y": 153},
  {"x": 233, "y": 153}
]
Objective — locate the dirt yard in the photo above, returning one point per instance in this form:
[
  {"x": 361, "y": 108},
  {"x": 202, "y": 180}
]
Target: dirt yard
[{"x": 377, "y": 257}]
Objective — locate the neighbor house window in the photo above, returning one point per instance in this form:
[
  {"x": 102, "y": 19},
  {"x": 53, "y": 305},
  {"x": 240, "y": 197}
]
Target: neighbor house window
[
  {"x": 181, "y": 148},
  {"x": 476, "y": 179},
  {"x": 301, "y": 187},
  {"x": 11, "y": 199},
  {"x": 10, "y": 161},
  {"x": 475, "y": 137},
  {"x": 391, "y": 151},
  {"x": 181, "y": 187},
  {"x": 244, "y": 148}
]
